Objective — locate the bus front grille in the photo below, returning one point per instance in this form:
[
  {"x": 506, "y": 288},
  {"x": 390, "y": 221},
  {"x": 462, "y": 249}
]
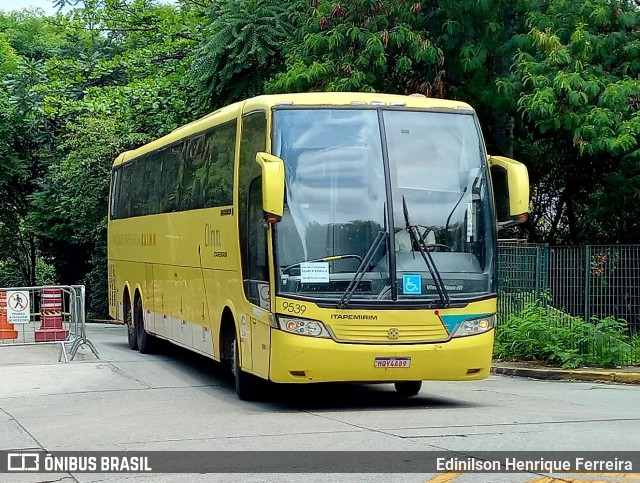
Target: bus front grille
[{"x": 389, "y": 334}]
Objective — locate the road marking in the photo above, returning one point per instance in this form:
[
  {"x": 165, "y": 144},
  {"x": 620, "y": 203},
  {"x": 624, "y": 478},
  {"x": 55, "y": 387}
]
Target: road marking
[{"x": 444, "y": 478}]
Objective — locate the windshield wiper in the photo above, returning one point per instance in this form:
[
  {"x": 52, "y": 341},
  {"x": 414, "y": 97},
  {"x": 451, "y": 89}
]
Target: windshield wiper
[
  {"x": 426, "y": 256},
  {"x": 362, "y": 268},
  {"x": 474, "y": 188},
  {"x": 446, "y": 225}
]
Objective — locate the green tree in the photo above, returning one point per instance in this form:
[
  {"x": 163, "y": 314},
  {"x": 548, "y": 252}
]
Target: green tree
[
  {"x": 476, "y": 42},
  {"x": 244, "y": 47},
  {"x": 26, "y": 134},
  {"x": 70, "y": 208},
  {"x": 99, "y": 80},
  {"x": 575, "y": 82},
  {"x": 363, "y": 45}
]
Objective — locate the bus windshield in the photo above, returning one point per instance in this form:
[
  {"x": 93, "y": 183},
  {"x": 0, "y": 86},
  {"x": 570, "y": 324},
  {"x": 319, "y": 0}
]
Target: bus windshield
[{"x": 345, "y": 167}]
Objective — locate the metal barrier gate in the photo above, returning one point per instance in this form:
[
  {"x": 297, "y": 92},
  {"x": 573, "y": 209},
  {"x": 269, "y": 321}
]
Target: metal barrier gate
[{"x": 45, "y": 315}]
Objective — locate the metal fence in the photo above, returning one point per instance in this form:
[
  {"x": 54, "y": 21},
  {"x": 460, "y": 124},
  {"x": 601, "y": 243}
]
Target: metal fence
[
  {"x": 45, "y": 315},
  {"x": 592, "y": 282}
]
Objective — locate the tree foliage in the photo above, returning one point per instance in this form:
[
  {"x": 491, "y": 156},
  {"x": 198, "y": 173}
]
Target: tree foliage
[
  {"x": 363, "y": 45},
  {"x": 576, "y": 86},
  {"x": 78, "y": 90},
  {"x": 555, "y": 83},
  {"x": 243, "y": 47}
]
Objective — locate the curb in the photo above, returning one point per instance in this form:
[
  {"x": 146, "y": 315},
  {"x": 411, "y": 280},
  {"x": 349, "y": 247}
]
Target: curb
[
  {"x": 109, "y": 322},
  {"x": 549, "y": 374}
]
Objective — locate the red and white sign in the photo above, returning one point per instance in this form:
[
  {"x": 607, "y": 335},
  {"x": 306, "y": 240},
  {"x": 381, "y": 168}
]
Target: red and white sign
[{"x": 18, "y": 307}]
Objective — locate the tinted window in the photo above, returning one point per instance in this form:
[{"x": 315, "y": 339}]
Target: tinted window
[
  {"x": 115, "y": 187},
  {"x": 194, "y": 173},
  {"x": 218, "y": 177},
  {"x": 193, "y": 166},
  {"x": 168, "y": 164},
  {"x": 250, "y": 217}
]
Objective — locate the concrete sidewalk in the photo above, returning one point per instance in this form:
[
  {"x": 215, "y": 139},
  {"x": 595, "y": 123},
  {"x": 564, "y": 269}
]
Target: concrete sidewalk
[{"x": 626, "y": 375}]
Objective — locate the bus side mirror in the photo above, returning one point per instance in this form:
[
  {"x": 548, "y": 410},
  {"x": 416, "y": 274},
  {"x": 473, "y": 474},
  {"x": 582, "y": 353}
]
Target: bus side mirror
[
  {"x": 510, "y": 181},
  {"x": 272, "y": 186}
]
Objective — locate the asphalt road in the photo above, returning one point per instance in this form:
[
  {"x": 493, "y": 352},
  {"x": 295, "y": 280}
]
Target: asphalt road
[{"x": 176, "y": 400}]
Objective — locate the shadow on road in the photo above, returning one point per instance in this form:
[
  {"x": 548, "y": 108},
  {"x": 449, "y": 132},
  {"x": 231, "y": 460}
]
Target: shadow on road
[
  {"x": 296, "y": 397},
  {"x": 319, "y": 396},
  {"x": 354, "y": 397}
]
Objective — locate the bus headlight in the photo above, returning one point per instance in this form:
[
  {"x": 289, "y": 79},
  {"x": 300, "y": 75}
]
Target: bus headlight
[
  {"x": 312, "y": 328},
  {"x": 475, "y": 326}
]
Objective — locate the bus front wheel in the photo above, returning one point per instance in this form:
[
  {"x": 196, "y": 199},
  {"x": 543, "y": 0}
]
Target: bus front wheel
[
  {"x": 408, "y": 388},
  {"x": 247, "y": 385}
]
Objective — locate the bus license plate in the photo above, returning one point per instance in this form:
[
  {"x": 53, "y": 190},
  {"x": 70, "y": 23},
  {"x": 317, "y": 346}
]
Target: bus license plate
[{"x": 392, "y": 362}]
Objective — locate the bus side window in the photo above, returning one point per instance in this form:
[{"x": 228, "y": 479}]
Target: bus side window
[
  {"x": 193, "y": 167},
  {"x": 258, "y": 268},
  {"x": 253, "y": 244},
  {"x": 139, "y": 192},
  {"x": 152, "y": 184},
  {"x": 115, "y": 193},
  {"x": 124, "y": 198},
  {"x": 168, "y": 180},
  {"x": 218, "y": 176}
]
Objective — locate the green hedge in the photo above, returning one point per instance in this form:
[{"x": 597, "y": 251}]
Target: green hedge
[{"x": 544, "y": 334}]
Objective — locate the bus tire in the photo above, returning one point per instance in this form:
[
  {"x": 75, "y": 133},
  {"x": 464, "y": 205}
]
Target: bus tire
[
  {"x": 408, "y": 388},
  {"x": 146, "y": 341},
  {"x": 132, "y": 331},
  {"x": 247, "y": 385}
]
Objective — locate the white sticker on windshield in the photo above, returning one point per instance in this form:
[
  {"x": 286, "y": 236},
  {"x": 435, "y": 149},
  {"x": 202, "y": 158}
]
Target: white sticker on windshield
[{"x": 314, "y": 272}]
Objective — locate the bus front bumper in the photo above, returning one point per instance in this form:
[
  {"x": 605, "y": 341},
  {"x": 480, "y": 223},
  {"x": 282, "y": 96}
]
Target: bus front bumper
[{"x": 301, "y": 359}]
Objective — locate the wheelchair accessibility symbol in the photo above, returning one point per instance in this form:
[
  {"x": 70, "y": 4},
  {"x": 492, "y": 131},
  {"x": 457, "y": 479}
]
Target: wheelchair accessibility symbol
[{"x": 411, "y": 284}]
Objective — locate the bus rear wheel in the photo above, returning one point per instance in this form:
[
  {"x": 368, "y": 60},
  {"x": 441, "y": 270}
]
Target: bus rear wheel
[
  {"x": 408, "y": 388},
  {"x": 247, "y": 385},
  {"x": 146, "y": 341},
  {"x": 132, "y": 331}
]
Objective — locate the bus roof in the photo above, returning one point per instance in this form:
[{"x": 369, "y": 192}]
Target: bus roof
[{"x": 324, "y": 99}]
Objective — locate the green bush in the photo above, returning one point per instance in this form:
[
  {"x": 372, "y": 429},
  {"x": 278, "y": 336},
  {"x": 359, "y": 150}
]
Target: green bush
[{"x": 545, "y": 334}]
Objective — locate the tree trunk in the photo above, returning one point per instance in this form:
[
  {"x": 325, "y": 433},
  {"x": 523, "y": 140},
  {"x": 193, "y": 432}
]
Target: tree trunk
[
  {"x": 32, "y": 261},
  {"x": 556, "y": 219}
]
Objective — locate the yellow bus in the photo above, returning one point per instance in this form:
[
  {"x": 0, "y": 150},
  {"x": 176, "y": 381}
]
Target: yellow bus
[{"x": 317, "y": 237}]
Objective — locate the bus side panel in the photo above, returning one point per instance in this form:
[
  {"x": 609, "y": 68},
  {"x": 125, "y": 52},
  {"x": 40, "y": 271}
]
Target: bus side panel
[
  {"x": 182, "y": 329},
  {"x": 163, "y": 280},
  {"x": 209, "y": 249},
  {"x": 217, "y": 285},
  {"x": 197, "y": 310},
  {"x": 136, "y": 276},
  {"x": 149, "y": 300},
  {"x": 115, "y": 290},
  {"x": 260, "y": 343}
]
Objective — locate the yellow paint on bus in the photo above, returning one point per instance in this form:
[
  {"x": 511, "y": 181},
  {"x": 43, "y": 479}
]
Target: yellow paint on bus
[{"x": 193, "y": 258}]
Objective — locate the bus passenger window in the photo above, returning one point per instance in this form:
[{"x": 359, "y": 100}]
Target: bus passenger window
[
  {"x": 253, "y": 239},
  {"x": 124, "y": 199},
  {"x": 152, "y": 178},
  {"x": 191, "y": 163},
  {"x": 257, "y": 233},
  {"x": 218, "y": 174},
  {"x": 168, "y": 181}
]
